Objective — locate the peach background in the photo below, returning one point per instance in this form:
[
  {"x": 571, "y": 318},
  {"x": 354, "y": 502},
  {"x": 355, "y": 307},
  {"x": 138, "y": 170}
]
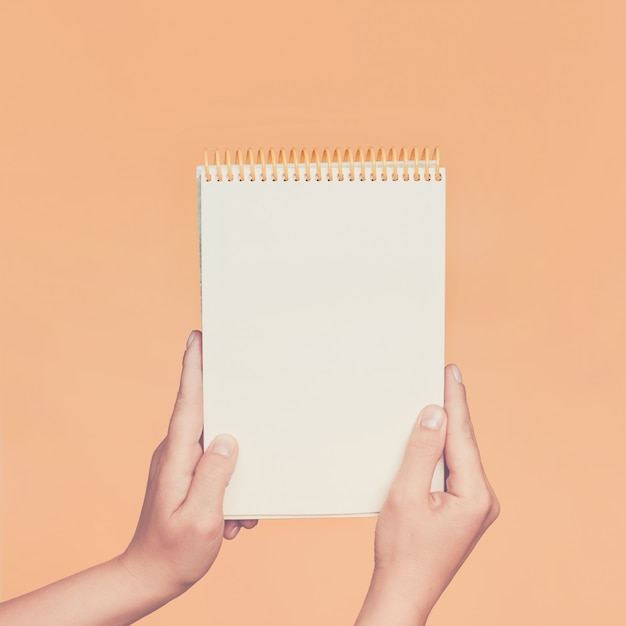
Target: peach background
[{"x": 106, "y": 107}]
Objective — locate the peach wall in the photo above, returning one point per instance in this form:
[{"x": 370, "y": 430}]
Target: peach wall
[{"x": 106, "y": 107}]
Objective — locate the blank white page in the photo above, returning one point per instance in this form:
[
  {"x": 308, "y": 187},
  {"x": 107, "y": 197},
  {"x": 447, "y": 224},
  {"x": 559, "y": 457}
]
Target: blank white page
[{"x": 323, "y": 325}]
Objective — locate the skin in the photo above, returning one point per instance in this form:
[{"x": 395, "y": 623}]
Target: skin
[
  {"x": 421, "y": 538},
  {"x": 178, "y": 536}
]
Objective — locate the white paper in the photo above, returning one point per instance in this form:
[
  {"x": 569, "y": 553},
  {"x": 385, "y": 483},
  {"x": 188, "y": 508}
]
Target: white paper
[{"x": 323, "y": 326}]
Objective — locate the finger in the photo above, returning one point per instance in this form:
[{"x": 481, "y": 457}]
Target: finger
[
  {"x": 155, "y": 461},
  {"x": 206, "y": 493},
  {"x": 231, "y": 528},
  {"x": 185, "y": 428},
  {"x": 462, "y": 456},
  {"x": 248, "y": 523},
  {"x": 424, "y": 449}
]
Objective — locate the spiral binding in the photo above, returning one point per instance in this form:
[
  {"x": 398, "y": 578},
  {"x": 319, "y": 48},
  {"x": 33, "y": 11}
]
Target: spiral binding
[{"x": 321, "y": 166}]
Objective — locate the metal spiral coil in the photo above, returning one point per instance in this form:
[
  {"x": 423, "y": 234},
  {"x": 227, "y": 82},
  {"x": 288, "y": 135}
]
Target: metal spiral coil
[{"x": 288, "y": 165}]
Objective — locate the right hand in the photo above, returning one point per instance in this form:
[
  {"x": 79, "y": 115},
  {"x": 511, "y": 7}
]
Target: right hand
[{"x": 423, "y": 538}]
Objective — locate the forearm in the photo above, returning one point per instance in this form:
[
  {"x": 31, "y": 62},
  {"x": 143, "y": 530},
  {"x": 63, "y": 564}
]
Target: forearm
[{"x": 103, "y": 595}]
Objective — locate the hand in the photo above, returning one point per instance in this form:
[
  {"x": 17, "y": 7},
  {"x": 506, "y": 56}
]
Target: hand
[
  {"x": 181, "y": 525},
  {"x": 423, "y": 538},
  {"x": 179, "y": 533}
]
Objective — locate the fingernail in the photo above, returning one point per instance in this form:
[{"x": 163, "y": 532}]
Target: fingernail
[
  {"x": 456, "y": 372},
  {"x": 432, "y": 418},
  {"x": 192, "y": 336},
  {"x": 223, "y": 444},
  {"x": 234, "y": 531}
]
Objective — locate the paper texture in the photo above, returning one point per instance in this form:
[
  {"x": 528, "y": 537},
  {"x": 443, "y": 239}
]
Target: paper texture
[{"x": 323, "y": 322}]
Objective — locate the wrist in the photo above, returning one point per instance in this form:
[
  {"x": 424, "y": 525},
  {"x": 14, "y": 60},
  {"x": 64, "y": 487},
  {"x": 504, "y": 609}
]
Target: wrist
[
  {"x": 395, "y": 600},
  {"x": 147, "y": 579}
]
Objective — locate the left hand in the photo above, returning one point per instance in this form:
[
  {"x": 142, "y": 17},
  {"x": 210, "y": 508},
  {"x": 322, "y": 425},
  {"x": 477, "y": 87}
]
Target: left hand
[{"x": 181, "y": 525}]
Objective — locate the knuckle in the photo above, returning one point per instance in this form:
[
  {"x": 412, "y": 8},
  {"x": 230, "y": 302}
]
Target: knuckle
[
  {"x": 186, "y": 401},
  {"x": 205, "y": 524},
  {"x": 468, "y": 430},
  {"x": 494, "y": 512},
  {"x": 481, "y": 504},
  {"x": 423, "y": 446},
  {"x": 166, "y": 453},
  {"x": 155, "y": 461},
  {"x": 180, "y": 402},
  {"x": 396, "y": 499},
  {"x": 221, "y": 473}
]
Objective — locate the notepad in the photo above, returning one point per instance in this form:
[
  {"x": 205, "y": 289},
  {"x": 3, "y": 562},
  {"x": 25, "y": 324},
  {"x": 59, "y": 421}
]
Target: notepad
[{"x": 323, "y": 284}]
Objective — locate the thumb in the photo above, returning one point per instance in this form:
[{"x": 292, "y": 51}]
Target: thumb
[
  {"x": 212, "y": 474},
  {"x": 424, "y": 449}
]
